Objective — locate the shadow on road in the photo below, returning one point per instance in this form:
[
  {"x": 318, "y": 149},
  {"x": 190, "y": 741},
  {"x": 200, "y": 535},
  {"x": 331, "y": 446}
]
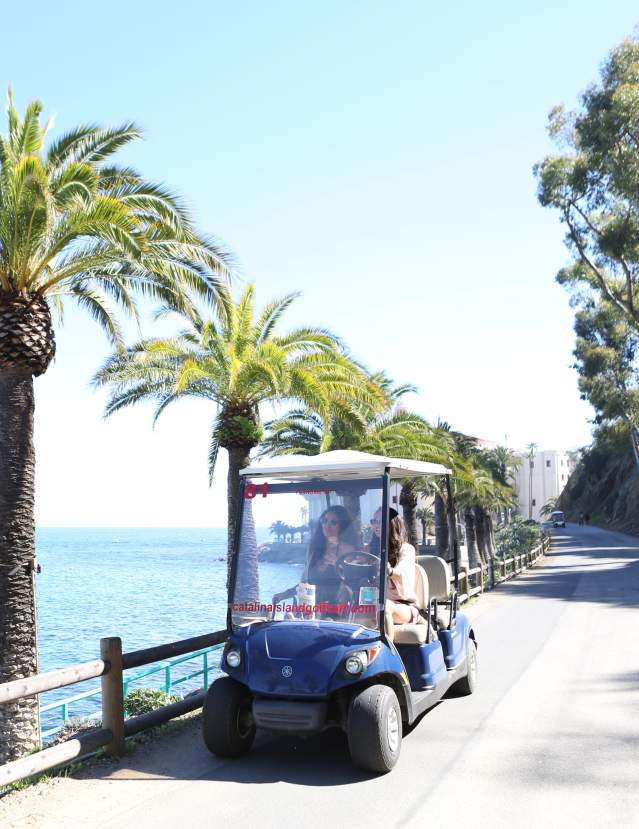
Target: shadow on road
[
  {"x": 321, "y": 760},
  {"x": 584, "y": 565}
]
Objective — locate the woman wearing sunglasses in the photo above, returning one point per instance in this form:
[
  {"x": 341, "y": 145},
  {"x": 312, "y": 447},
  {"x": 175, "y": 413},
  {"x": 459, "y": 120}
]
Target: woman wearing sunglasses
[{"x": 333, "y": 538}]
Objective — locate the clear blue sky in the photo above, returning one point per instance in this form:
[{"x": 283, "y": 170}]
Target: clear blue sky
[{"x": 376, "y": 156}]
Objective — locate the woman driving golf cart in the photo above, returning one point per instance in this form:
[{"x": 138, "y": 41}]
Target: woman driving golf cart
[{"x": 333, "y": 538}]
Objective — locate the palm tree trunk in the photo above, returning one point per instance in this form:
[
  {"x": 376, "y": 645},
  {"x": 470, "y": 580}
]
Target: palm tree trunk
[
  {"x": 19, "y": 721},
  {"x": 408, "y": 501},
  {"x": 480, "y": 534},
  {"x": 247, "y": 588},
  {"x": 351, "y": 502},
  {"x": 474, "y": 559},
  {"x": 490, "y": 534},
  {"x": 239, "y": 458},
  {"x": 441, "y": 526}
]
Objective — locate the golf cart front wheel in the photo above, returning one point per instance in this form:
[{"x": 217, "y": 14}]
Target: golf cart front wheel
[
  {"x": 375, "y": 728},
  {"x": 227, "y": 721}
]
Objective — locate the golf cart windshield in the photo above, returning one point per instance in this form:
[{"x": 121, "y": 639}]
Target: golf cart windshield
[{"x": 322, "y": 559}]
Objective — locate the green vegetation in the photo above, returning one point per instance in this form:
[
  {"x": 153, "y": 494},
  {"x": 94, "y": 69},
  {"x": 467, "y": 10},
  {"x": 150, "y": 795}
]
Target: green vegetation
[
  {"x": 73, "y": 227},
  {"x": 144, "y": 700},
  {"x": 592, "y": 182},
  {"x": 238, "y": 362},
  {"x": 517, "y": 537}
]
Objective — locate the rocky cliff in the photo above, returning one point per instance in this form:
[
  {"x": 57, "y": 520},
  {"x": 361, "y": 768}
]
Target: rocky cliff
[{"x": 606, "y": 485}]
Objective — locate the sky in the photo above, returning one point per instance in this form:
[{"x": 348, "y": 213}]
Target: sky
[{"x": 376, "y": 157}]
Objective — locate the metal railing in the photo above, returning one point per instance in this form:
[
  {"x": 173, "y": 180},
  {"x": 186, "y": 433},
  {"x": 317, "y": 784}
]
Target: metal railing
[{"x": 166, "y": 667}]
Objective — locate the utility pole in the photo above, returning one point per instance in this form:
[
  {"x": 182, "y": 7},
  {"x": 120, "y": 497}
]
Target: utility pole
[{"x": 532, "y": 448}]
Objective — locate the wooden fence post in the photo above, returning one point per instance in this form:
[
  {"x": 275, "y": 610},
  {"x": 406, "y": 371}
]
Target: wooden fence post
[{"x": 112, "y": 694}]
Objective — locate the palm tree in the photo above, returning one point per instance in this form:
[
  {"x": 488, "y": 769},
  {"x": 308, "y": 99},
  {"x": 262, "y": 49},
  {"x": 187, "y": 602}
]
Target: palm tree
[
  {"x": 503, "y": 463},
  {"x": 425, "y": 516},
  {"x": 481, "y": 487},
  {"x": 391, "y": 431},
  {"x": 72, "y": 227},
  {"x": 238, "y": 362},
  {"x": 278, "y": 529}
]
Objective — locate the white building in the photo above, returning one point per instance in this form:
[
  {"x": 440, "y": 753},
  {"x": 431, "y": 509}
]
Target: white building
[{"x": 549, "y": 472}]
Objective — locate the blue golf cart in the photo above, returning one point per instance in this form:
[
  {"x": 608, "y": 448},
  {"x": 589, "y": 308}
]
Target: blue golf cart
[{"x": 308, "y": 647}]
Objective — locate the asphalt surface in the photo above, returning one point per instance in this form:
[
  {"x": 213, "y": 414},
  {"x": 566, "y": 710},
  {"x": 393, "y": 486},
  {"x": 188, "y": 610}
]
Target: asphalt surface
[{"x": 550, "y": 738}]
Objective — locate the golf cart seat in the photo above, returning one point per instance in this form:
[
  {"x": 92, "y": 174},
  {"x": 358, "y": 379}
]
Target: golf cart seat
[
  {"x": 439, "y": 577},
  {"x": 411, "y": 634}
]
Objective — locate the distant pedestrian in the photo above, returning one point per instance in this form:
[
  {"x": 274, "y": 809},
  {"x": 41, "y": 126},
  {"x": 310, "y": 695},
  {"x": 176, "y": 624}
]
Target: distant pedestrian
[
  {"x": 587, "y": 517},
  {"x": 581, "y": 519}
]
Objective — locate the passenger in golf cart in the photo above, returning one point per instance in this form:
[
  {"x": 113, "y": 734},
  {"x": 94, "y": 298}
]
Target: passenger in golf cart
[{"x": 303, "y": 659}]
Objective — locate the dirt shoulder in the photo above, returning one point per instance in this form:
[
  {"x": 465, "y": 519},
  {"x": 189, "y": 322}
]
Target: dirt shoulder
[{"x": 80, "y": 798}]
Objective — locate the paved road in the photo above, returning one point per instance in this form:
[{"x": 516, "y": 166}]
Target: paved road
[{"x": 551, "y": 738}]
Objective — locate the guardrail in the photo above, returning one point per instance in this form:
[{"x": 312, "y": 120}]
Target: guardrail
[{"x": 115, "y": 727}]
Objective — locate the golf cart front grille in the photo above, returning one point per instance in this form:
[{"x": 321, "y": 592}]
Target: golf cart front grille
[{"x": 289, "y": 715}]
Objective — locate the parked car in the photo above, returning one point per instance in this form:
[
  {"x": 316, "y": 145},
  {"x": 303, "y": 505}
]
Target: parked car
[{"x": 557, "y": 518}]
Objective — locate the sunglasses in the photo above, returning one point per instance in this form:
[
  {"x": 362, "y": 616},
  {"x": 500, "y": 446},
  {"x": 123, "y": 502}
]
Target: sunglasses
[
  {"x": 332, "y": 521},
  {"x": 376, "y": 520}
]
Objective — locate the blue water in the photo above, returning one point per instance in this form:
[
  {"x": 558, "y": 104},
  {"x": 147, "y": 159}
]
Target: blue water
[{"x": 148, "y": 586}]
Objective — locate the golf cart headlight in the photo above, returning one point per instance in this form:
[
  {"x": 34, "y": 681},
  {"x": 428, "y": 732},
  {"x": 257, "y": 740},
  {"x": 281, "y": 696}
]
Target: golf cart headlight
[
  {"x": 233, "y": 658},
  {"x": 356, "y": 662}
]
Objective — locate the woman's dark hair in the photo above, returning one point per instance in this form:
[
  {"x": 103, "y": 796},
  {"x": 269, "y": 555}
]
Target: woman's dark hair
[
  {"x": 317, "y": 547},
  {"x": 396, "y": 536}
]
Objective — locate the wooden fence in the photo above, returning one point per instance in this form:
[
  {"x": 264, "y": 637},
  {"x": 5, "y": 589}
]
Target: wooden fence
[
  {"x": 486, "y": 576},
  {"x": 115, "y": 727}
]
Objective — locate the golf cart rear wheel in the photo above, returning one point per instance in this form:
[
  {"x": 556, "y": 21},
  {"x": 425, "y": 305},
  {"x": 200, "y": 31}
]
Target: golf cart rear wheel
[
  {"x": 466, "y": 685},
  {"x": 375, "y": 728},
  {"x": 227, "y": 721}
]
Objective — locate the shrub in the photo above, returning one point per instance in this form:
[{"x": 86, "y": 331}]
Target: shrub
[
  {"x": 74, "y": 727},
  {"x": 517, "y": 537},
  {"x": 143, "y": 700}
]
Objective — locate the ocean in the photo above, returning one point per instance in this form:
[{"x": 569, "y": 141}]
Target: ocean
[{"x": 148, "y": 586}]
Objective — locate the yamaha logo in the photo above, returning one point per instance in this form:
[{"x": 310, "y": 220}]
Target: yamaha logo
[{"x": 287, "y": 671}]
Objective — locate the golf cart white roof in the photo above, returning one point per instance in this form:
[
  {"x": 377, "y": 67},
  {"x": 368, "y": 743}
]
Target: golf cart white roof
[{"x": 343, "y": 463}]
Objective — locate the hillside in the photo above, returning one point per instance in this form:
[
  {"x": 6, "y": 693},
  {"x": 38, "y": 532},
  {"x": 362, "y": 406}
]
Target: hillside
[{"x": 606, "y": 485}]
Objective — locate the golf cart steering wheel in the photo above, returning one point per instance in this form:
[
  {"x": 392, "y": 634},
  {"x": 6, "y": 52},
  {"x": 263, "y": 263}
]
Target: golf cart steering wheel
[{"x": 358, "y": 566}]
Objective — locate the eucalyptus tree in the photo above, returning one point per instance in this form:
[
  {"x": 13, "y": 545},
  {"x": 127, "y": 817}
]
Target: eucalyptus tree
[
  {"x": 593, "y": 182},
  {"x": 73, "y": 227},
  {"x": 606, "y": 351},
  {"x": 238, "y": 361}
]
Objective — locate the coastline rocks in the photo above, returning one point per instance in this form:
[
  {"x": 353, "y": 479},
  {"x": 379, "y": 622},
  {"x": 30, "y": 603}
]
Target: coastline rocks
[{"x": 283, "y": 553}]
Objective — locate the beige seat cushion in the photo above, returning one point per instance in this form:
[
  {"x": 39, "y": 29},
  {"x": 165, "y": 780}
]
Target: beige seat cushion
[{"x": 410, "y": 634}]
